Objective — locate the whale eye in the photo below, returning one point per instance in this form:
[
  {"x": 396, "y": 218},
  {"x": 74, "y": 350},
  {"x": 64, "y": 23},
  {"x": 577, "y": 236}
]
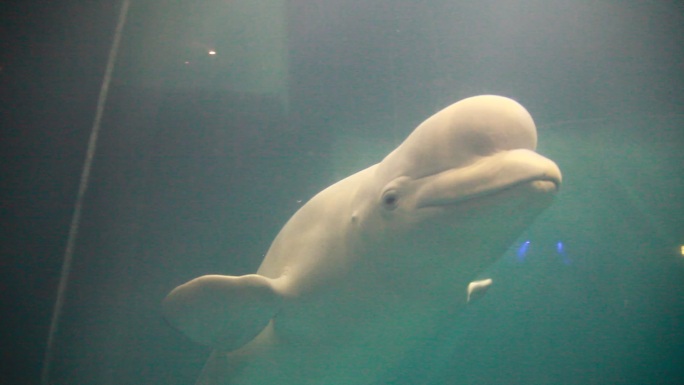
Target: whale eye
[{"x": 390, "y": 199}]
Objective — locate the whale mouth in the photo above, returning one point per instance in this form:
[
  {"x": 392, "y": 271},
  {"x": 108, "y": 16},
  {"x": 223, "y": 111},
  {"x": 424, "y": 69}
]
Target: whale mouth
[
  {"x": 533, "y": 187},
  {"x": 516, "y": 172},
  {"x": 546, "y": 185}
]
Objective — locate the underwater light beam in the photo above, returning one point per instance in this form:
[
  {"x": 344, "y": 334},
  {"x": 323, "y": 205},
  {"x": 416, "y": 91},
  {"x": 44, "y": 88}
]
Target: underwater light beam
[{"x": 82, "y": 188}]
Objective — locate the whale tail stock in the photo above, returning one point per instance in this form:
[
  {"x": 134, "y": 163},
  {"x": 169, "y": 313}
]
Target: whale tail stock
[{"x": 222, "y": 311}]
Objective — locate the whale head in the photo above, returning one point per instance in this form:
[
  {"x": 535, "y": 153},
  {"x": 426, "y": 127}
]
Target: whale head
[{"x": 467, "y": 178}]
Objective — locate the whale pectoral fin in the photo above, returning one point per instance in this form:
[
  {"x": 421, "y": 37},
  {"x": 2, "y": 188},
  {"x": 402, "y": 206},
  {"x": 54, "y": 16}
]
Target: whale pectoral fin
[
  {"x": 222, "y": 311},
  {"x": 477, "y": 289}
]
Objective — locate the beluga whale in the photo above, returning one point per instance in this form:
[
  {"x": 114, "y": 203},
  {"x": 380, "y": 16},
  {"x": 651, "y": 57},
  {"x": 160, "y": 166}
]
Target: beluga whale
[{"x": 373, "y": 266}]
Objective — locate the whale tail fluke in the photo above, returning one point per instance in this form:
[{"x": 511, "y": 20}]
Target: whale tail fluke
[{"x": 222, "y": 311}]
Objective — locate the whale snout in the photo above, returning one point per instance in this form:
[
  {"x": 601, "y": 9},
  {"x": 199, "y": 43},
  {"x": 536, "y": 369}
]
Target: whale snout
[
  {"x": 502, "y": 172},
  {"x": 550, "y": 179},
  {"x": 546, "y": 186}
]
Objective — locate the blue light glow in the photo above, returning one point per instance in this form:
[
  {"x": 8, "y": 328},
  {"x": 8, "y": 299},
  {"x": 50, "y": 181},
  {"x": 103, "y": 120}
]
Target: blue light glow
[
  {"x": 522, "y": 251},
  {"x": 560, "y": 249}
]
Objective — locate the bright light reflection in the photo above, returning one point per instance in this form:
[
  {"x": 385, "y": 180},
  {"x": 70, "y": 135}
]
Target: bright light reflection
[{"x": 212, "y": 52}]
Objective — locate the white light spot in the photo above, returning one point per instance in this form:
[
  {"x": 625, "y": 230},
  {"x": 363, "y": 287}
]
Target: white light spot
[{"x": 212, "y": 52}]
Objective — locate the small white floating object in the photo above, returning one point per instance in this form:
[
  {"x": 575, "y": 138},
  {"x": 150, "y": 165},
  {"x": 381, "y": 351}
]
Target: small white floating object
[{"x": 477, "y": 289}]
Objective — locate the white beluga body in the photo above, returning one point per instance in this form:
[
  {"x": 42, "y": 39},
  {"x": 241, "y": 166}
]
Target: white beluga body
[{"x": 372, "y": 265}]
